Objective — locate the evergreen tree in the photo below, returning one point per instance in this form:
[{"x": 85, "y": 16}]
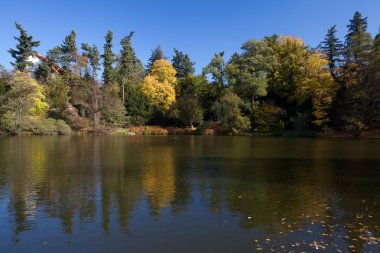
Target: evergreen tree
[
  {"x": 108, "y": 60},
  {"x": 182, "y": 64},
  {"x": 157, "y": 54},
  {"x": 130, "y": 70},
  {"x": 351, "y": 109},
  {"x": 332, "y": 47},
  {"x": 374, "y": 83},
  {"x": 69, "y": 51},
  {"x": 24, "y": 49},
  {"x": 358, "y": 41},
  {"x": 92, "y": 54}
]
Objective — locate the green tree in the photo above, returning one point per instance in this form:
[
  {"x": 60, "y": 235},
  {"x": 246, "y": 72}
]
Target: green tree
[
  {"x": 228, "y": 112},
  {"x": 57, "y": 94},
  {"x": 333, "y": 49},
  {"x": 157, "y": 54},
  {"x": 69, "y": 51},
  {"x": 24, "y": 49},
  {"x": 217, "y": 70},
  {"x": 182, "y": 64},
  {"x": 358, "y": 41},
  {"x": 93, "y": 56},
  {"x": 108, "y": 60},
  {"x": 130, "y": 69},
  {"x": 248, "y": 72},
  {"x": 190, "y": 110},
  {"x": 374, "y": 84},
  {"x": 351, "y": 110},
  {"x": 113, "y": 110}
]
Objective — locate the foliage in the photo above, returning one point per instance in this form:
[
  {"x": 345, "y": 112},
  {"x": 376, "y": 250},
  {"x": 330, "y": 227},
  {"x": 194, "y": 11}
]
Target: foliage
[
  {"x": 318, "y": 86},
  {"x": 158, "y": 85},
  {"x": 113, "y": 110},
  {"x": 270, "y": 85},
  {"x": 92, "y": 54},
  {"x": 269, "y": 119},
  {"x": 248, "y": 72},
  {"x": 217, "y": 70},
  {"x": 108, "y": 60},
  {"x": 332, "y": 47},
  {"x": 24, "y": 49},
  {"x": 25, "y": 99},
  {"x": 190, "y": 111},
  {"x": 229, "y": 114},
  {"x": 157, "y": 54},
  {"x": 182, "y": 64}
]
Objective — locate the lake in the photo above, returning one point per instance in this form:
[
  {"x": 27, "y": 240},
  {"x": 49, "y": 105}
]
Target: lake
[{"x": 189, "y": 194}]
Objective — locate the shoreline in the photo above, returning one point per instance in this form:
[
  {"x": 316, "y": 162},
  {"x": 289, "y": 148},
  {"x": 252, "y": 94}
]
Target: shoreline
[{"x": 176, "y": 131}]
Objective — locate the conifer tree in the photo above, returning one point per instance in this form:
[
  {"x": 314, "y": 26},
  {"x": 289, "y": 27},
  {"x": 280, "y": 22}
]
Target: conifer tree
[
  {"x": 157, "y": 54},
  {"x": 108, "y": 60},
  {"x": 353, "y": 100},
  {"x": 358, "y": 41},
  {"x": 129, "y": 67},
  {"x": 24, "y": 49},
  {"x": 92, "y": 54},
  {"x": 69, "y": 50},
  {"x": 332, "y": 47},
  {"x": 182, "y": 64}
]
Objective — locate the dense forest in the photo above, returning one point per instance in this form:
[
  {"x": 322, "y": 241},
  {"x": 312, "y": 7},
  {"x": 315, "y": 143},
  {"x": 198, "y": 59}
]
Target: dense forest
[{"x": 277, "y": 85}]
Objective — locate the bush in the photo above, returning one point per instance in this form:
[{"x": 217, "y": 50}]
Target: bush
[
  {"x": 44, "y": 126},
  {"x": 63, "y": 128},
  {"x": 148, "y": 130}
]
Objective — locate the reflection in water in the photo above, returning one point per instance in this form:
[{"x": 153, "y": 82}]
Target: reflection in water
[{"x": 218, "y": 193}]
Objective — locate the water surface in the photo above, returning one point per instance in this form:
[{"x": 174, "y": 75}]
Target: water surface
[{"x": 189, "y": 194}]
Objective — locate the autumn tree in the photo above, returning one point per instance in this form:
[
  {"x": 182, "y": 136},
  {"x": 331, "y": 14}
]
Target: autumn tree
[
  {"x": 158, "y": 85},
  {"x": 318, "y": 86},
  {"x": 25, "y": 100},
  {"x": 24, "y": 49}
]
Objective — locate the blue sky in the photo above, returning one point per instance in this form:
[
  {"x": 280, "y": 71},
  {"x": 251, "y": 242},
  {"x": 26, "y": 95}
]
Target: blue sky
[{"x": 197, "y": 27}]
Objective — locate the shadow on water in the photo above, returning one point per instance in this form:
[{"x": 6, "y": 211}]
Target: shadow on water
[{"x": 189, "y": 194}]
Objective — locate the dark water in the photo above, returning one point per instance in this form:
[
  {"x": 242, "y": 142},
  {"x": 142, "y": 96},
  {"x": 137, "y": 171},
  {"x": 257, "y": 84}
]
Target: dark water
[{"x": 189, "y": 194}]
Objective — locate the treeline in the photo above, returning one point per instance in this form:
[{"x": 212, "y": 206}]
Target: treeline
[{"x": 272, "y": 85}]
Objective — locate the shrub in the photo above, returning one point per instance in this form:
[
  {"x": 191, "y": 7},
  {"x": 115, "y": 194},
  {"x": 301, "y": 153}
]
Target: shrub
[{"x": 63, "y": 128}]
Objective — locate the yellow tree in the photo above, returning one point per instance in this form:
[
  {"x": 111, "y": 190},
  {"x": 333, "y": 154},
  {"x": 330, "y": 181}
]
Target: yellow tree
[
  {"x": 317, "y": 85},
  {"x": 158, "y": 85},
  {"x": 25, "y": 100}
]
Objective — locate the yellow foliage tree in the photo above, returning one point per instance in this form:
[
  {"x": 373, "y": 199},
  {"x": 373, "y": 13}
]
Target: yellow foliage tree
[
  {"x": 158, "y": 85},
  {"x": 26, "y": 99},
  {"x": 317, "y": 85}
]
